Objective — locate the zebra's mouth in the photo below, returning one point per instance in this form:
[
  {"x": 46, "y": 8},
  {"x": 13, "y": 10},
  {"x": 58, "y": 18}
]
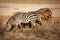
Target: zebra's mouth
[{"x": 24, "y": 25}]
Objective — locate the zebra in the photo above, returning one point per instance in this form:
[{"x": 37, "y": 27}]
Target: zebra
[{"x": 23, "y": 20}]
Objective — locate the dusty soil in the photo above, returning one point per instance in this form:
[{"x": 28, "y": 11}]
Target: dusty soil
[{"x": 50, "y": 30}]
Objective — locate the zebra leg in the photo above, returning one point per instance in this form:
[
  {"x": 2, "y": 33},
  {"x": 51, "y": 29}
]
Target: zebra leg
[
  {"x": 33, "y": 25},
  {"x": 49, "y": 17},
  {"x": 38, "y": 22},
  {"x": 16, "y": 26},
  {"x": 19, "y": 26},
  {"x": 30, "y": 24}
]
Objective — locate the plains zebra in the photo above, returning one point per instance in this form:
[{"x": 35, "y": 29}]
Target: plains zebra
[{"x": 24, "y": 20}]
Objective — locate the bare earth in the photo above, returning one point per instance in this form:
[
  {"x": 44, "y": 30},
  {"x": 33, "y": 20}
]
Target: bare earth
[{"x": 50, "y": 30}]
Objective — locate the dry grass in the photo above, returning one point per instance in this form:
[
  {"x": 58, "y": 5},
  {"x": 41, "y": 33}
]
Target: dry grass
[{"x": 49, "y": 31}]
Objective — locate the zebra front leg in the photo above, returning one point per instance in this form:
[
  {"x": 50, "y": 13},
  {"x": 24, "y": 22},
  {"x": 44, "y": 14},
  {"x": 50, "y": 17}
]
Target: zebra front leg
[
  {"x": 33, "y": 26},
  {"x": 16, "y": 26},
  {"x": 20, "y": 26}
]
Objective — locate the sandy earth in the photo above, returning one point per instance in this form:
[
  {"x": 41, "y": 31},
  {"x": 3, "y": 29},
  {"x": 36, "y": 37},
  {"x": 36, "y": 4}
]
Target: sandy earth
[{"x": 50, "y": 30}]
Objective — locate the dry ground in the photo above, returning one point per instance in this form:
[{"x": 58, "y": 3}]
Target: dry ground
[{"x": 49, "y": 31}]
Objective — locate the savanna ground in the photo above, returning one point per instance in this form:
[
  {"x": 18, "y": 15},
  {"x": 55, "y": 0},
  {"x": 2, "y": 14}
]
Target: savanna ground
[{"x": 50, "y": 30}]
